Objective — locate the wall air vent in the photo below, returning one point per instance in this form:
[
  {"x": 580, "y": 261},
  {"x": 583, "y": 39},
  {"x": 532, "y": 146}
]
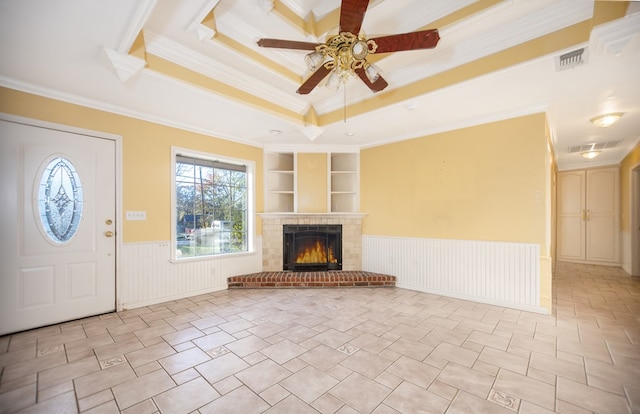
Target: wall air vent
[
  {"x": 593, "y": 147},
  {"x": 571, "y": 59}
]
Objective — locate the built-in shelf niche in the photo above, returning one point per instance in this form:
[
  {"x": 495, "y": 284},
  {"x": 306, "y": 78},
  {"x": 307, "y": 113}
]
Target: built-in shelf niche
[
  {"x": 280, "y": 182},
  {"x": 344, "y": 182}
]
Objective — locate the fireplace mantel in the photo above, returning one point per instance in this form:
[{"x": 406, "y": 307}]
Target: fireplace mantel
[
  {"x": 311, "y": 215},
  {"x": 272, "y": 240}
]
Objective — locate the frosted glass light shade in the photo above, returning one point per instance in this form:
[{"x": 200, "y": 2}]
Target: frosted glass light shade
[{"x": 606, "y": 120}]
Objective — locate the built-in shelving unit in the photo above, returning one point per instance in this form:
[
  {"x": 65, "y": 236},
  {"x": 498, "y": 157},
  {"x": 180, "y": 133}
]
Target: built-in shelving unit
[
  {"x": 344, "y": 182},
  {"x": 280, "y": 182}
]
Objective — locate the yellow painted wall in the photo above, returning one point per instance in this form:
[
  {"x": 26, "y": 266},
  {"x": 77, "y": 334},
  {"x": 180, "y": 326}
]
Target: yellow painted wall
[
  {"x": 631, "y": 160},
  {"x": 485, "y": 182},
  {"x": 146, "y": 157},
  {"x": 312, "y": 182}
]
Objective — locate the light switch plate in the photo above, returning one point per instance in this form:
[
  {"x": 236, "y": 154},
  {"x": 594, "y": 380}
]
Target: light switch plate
[{"x": 136, "y": 215}]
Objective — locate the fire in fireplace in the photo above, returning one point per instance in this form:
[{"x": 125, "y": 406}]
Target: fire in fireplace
[{"x": 312, "y": 247}]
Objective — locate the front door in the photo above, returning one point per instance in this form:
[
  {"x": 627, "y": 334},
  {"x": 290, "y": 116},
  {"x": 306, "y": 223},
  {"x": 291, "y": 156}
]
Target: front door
[{"x": 58, "y": 245}]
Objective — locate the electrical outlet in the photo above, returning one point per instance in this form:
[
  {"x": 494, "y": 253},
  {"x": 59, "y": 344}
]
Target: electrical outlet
[{"x": 136, "y": 215}]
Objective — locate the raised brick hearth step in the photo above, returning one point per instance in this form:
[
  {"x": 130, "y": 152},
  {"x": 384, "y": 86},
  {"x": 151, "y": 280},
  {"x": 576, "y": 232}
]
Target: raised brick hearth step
[{"x": 311, "y": 280}]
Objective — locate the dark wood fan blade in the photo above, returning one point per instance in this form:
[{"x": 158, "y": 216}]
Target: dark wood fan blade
[
  {"x": 376, "y": 86},
  {"x": 425, "y": 39},
  {"x": 313, "y": 80},
  {"x": 287, "y": 44},
  {"x": 352, "y": 14}
]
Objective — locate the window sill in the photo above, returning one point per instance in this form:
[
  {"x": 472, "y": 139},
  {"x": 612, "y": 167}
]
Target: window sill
[{"x": 212, "y": 257}]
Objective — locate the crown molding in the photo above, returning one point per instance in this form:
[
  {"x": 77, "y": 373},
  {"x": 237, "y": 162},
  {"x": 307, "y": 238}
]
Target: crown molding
[
  {"x": 469, "y": 122},
  {"x": 311, "y": 148},
  {"x": 125, "y": 66},
  {"x": 140, "y": 17},
  {"x": 118, "y": 110},
  {"x": 164, "y": 48},
  {"x": 613, "y": 37}
]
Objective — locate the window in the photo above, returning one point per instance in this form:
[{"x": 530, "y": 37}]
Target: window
[
  {"x": 60, "y": 200},
  {"x": 212, "y": 206}
]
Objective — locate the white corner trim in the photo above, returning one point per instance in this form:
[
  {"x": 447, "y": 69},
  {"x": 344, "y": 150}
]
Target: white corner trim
[{"x": 125, "y": 66}]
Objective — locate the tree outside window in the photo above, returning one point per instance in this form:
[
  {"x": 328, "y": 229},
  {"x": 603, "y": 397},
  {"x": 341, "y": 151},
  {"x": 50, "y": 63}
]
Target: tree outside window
[{"x": 211, "y": 207}]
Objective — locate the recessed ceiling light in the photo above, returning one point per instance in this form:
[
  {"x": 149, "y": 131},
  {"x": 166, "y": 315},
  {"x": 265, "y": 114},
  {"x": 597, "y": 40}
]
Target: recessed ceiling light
[
  {"x": 590, "y": 154},
  {"x": 411, "y": 106},
  {"x": 349, "y": 133},
  {"x": 606, "y": 120},
  {"x": 275, "y": 132}
]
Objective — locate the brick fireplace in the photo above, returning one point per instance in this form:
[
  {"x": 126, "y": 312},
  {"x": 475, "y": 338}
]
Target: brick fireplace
[{"x": 272, "y": 236}]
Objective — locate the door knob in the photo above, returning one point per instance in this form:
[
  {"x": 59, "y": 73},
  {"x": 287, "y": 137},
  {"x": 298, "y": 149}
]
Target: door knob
[
  {"x": 108, "y": 233},
  {"x": 108, "y": 222}
]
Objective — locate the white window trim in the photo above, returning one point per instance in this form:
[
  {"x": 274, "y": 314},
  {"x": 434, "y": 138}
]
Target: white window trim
[{"x": 251, "y": 202}]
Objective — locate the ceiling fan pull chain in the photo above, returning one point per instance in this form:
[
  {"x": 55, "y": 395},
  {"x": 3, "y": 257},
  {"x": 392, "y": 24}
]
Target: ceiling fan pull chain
[{"x": 345, "y": 103}]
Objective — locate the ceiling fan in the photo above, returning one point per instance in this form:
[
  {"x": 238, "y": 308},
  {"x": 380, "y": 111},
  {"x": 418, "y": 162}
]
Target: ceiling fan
[{"x": 345, "y": 53}]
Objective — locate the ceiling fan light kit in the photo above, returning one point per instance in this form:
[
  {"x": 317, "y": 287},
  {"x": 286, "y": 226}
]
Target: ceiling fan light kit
[
  {"x": 606, "y": 120},
  {"x": 344, "y": 55}
]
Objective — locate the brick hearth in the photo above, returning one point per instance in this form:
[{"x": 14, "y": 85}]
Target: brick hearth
[{"x": 311, "y": 280}]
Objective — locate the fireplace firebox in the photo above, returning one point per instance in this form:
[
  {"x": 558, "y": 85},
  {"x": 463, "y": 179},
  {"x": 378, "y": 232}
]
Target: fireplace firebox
[{"x": 312, "y": 247}]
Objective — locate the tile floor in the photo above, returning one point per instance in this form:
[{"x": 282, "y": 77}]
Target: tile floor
[{"x": 383, "y": 351}]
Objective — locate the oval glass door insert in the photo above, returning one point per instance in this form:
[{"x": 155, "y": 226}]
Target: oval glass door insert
[{"x": 60, "y": 201}]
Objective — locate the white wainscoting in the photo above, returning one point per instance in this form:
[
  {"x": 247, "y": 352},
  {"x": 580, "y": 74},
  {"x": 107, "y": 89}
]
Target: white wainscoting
[
  {"x": 504, "y": 274},
  {"x": 625, "y": 238},
  {"x": 147, "y": 275}
]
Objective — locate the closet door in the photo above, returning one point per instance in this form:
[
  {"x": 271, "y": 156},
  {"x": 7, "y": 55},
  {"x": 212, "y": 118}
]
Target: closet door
[
  {"x": 602, "y": 215},
  {"x": 571, "y": 215}
]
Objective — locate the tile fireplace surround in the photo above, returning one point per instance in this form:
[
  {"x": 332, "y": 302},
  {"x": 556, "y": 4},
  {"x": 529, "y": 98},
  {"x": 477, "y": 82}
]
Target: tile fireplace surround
[{"x": 272, "y": 236}]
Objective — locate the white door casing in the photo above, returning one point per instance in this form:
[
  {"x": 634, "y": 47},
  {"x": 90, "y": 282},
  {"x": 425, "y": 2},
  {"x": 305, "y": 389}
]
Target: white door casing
[{"x": 46, "y": 280}]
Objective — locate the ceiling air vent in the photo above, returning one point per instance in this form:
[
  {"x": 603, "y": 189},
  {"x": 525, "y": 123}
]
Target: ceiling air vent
[
  {"x": 593, "y": 147},
  {"x": 571, "y": 59}
]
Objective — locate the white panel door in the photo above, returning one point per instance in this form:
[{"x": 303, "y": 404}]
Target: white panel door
[
  {"x": 602, "y": 215},
  {"x": 571, "y": 214},
  {"x": 58, "y": 240}
]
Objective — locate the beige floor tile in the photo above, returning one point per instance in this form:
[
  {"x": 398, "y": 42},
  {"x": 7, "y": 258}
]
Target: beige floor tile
[
  {"x": 360, "y": 393},
  {"x": 291, "y": 404},
  {"x": 366, "y": 363},
  {"x": 466, "y": 403},
  {"x": 263, "y": 375},
  {"x": 506, "y": 360},
  {"x": 452, "y": 353},
  {"x": 283, "y": 351},
  {"x": 247, "y": 345},
  {"x": 18, "y": 398},
  {"x": 102, "y": 380},
  {"x": 139, "y": 389},
  {"x": 561, "y": 368},
  {"x": 309, "y": 384},
  {"x": 591, "y": 398},
  {"x": 307, "y": 350},
  {"x": 184, "y": 360},
  {"x": 149, "y": 354},
  {"x": 525, "y": 388},
  {"x": 467, "y": 379},
  {"x": 323, "y": 357},
  {"x": 241, "y": 400},
  {"x": 187, "y": 397},
  {"x": 63, "y": 373},
  {"x": 416, "y": 372},
  {"x": 221, "y": 367},
  {"x": 409, "y": 398}
]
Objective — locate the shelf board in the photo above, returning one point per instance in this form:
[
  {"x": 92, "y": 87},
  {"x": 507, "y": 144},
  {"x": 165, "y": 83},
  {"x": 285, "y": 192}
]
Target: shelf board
[
  {"x": 281, "y": 171},
  {"x": 281, "y": 191}
]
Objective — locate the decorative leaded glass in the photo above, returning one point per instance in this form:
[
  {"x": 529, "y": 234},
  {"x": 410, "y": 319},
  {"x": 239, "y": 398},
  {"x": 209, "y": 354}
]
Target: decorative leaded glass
[{"x": 60, "y": 200}]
